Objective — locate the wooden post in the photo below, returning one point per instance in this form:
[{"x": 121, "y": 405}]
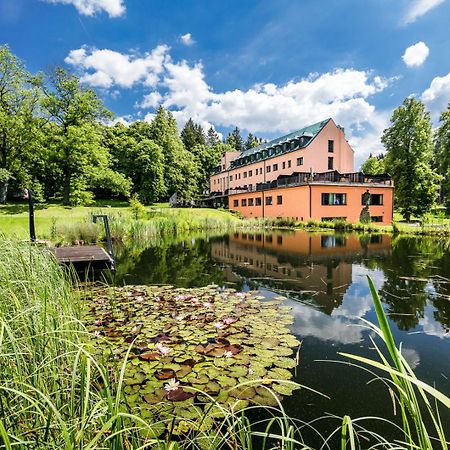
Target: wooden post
[{"x": 28, "y": 195}]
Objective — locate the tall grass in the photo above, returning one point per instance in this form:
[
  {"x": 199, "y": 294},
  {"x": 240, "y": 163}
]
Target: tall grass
[{"x": 417, "y": 401}]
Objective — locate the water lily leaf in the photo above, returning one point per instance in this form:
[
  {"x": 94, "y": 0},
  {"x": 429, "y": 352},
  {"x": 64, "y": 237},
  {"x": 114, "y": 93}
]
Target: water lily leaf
[
  {"x": 284, "y": 389},
  {"x": 165, "y": 374},
  {"x": 285, "y": 363},
  {"x": 149, "y": 356},
  {"x": 279, "y": 374},
  {"x": 179, "y": 395}
]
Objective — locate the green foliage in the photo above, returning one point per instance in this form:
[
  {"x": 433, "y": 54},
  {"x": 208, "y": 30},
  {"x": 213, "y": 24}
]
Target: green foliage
[
  {"x": 252, "y": 141},
  {"x": 19, "y": 102},
  {"x": 234, "y": 139},
  {"x": 373, "y": 165},
  {"x": 137, "y": 208},
  {"x": 75, "y": 141},
  {"x": 192, "y": 135},
  {"x": 212, "y": 138},
  {"x": 409, "y": 152},
  {"x": 442, "y": 153}
]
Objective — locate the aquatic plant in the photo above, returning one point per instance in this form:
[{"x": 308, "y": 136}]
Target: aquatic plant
[{"x": 193, "y": 346}]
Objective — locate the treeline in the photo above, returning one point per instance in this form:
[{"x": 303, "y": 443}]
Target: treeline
[
  {"x": 417, "y": 158},
  {"x": 55, "y": 139}
]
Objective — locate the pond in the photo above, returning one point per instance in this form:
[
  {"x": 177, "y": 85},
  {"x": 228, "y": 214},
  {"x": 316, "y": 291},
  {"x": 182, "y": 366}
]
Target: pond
[{"x": 323, "y": 276}]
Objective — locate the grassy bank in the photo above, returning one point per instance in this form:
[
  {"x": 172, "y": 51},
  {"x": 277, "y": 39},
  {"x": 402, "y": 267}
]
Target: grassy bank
[{"x": 73, "y": 225}]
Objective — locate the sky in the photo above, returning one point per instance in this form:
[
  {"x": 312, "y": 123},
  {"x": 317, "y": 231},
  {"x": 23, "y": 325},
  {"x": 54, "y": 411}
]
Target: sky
[{"x": 269, "y": 67}]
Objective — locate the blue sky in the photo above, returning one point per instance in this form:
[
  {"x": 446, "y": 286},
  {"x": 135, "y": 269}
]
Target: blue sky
[{"x": 268, "y": 67}]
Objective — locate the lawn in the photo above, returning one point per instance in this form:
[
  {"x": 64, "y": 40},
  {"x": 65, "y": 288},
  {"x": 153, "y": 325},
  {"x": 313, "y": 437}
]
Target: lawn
[{"x": 14, "y": 217}]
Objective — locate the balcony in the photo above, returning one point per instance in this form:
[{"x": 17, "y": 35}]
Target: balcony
[{"x": 305, "y": 178}]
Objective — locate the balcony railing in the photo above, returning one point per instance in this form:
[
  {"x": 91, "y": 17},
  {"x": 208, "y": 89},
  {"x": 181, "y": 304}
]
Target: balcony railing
[{"x": 303, "y": 178}]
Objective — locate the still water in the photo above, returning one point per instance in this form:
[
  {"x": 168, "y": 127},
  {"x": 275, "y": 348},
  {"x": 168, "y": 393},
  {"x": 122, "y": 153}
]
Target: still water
[{"x": 323, "y": 277}]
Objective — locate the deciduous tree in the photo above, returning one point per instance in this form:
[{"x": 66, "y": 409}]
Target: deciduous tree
[{"x": 408, "y": 142}]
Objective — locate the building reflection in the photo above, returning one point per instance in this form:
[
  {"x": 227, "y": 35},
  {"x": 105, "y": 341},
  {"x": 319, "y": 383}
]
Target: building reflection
[{"x": 313, "y": 268}]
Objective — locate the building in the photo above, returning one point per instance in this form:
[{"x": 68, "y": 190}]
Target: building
[{"x": 308, "y": 174}]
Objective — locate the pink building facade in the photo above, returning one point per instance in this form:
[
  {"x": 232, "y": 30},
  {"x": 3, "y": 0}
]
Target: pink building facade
[{"x": 308, "y": 174}]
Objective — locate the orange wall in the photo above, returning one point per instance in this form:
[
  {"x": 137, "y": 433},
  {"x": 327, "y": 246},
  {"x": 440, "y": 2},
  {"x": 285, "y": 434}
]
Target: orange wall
[
  {"x": 315, "y": 157},
  {"x": 296, "y": 202}
]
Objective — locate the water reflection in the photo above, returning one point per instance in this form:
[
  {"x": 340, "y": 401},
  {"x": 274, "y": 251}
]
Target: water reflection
[
  {"x": 315, "y": 268},
  {"x": 324, "y": 278}
]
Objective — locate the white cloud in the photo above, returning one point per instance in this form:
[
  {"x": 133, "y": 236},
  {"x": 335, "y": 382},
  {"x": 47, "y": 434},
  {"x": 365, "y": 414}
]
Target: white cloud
[
  {"x": 437, "y": 96},
  {"x": 114, "y": 8},
  {"x": 343, "y": 94},
  {"x": 105, "y": 68},
  {"x": 419, "y": 8},
  {"x": 151, "y": 100},
  {"x": 187, "y": 39},
  {"x": 416, "y": 54}
]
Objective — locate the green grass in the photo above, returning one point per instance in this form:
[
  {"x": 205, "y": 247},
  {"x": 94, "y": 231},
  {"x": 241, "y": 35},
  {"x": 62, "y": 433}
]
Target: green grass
[{"x": 51, "y": 218}]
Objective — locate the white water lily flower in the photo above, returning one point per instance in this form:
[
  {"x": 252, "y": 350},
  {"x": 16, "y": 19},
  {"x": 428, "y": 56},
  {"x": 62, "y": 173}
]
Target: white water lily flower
[
  {"x": 98, "y": 322},
  {"x": 179, "y": 318},
  {"x": 97, "y": 333},
  {"x": 180, "y": 297},
  {"x": 228, "y": 354},
  {"x": 219, "y": 325},
  {"x": 163, "y": 350},
  {"x": 251, "y": 371},
  {"x": 172, "y": 385},
  {"x": 240, "y": 294},
  {"x": 207, "y": 304}
]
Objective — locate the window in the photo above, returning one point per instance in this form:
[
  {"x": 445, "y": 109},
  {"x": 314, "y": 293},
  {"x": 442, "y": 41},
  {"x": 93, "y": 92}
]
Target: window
[
  {"x": 250, "y": 173},
  {"x": 284, "y": 165},
  {"x": 268, "y": 169},
  {"x": 244, "y": 202},
  {"x": 235, "y": 203},
  {"x": 250, "y": 187},
  {"x": 300, "y": 161},
  {"x": 214, "y": 181},
  {"x": 279, "y": 199},
  {"x": 334, "y": 199},
  {"x": 289, "y": 163},
  {"x": 269, "y": 239},
  {"x": 251, "y": 202},
  {"x": 330, "y": 163},
  {"x": 258, "y": 201},
  {"x": 330, "y": 146},
  {"x": 231, "y": 177},
  {"x": 377, "y": 218},
  {"x": 280, "y": 240},
  {"x": 332, "y": 240},
  {"x": 245, "y": 174},
  {"x": 275, "y": 167},
  {"x": 268, "y": 201},
  {"x": 375, "y": 199}
]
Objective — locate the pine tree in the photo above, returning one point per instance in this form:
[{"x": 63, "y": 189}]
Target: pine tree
[
  {"x": 252, "y": 141},
  {"x": 180, "y": 167},
  {"x": 235, "y": 140},
  {"x": 192, "y": 135},
  {"x": 212, "y": 138},
  {"x": 408, "y": 142}
]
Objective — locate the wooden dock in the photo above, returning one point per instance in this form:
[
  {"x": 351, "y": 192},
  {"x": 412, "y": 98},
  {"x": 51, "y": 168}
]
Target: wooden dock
[{"x": 84, "y": 257}]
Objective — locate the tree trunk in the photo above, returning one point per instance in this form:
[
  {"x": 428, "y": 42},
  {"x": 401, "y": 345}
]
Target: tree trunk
[
  {"x": 3, "y": 191},
  {"x": 66, "y": 193}
]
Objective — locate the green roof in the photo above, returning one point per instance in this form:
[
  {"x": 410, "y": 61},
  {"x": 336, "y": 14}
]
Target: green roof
[{"x": 309, "y": 131}]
